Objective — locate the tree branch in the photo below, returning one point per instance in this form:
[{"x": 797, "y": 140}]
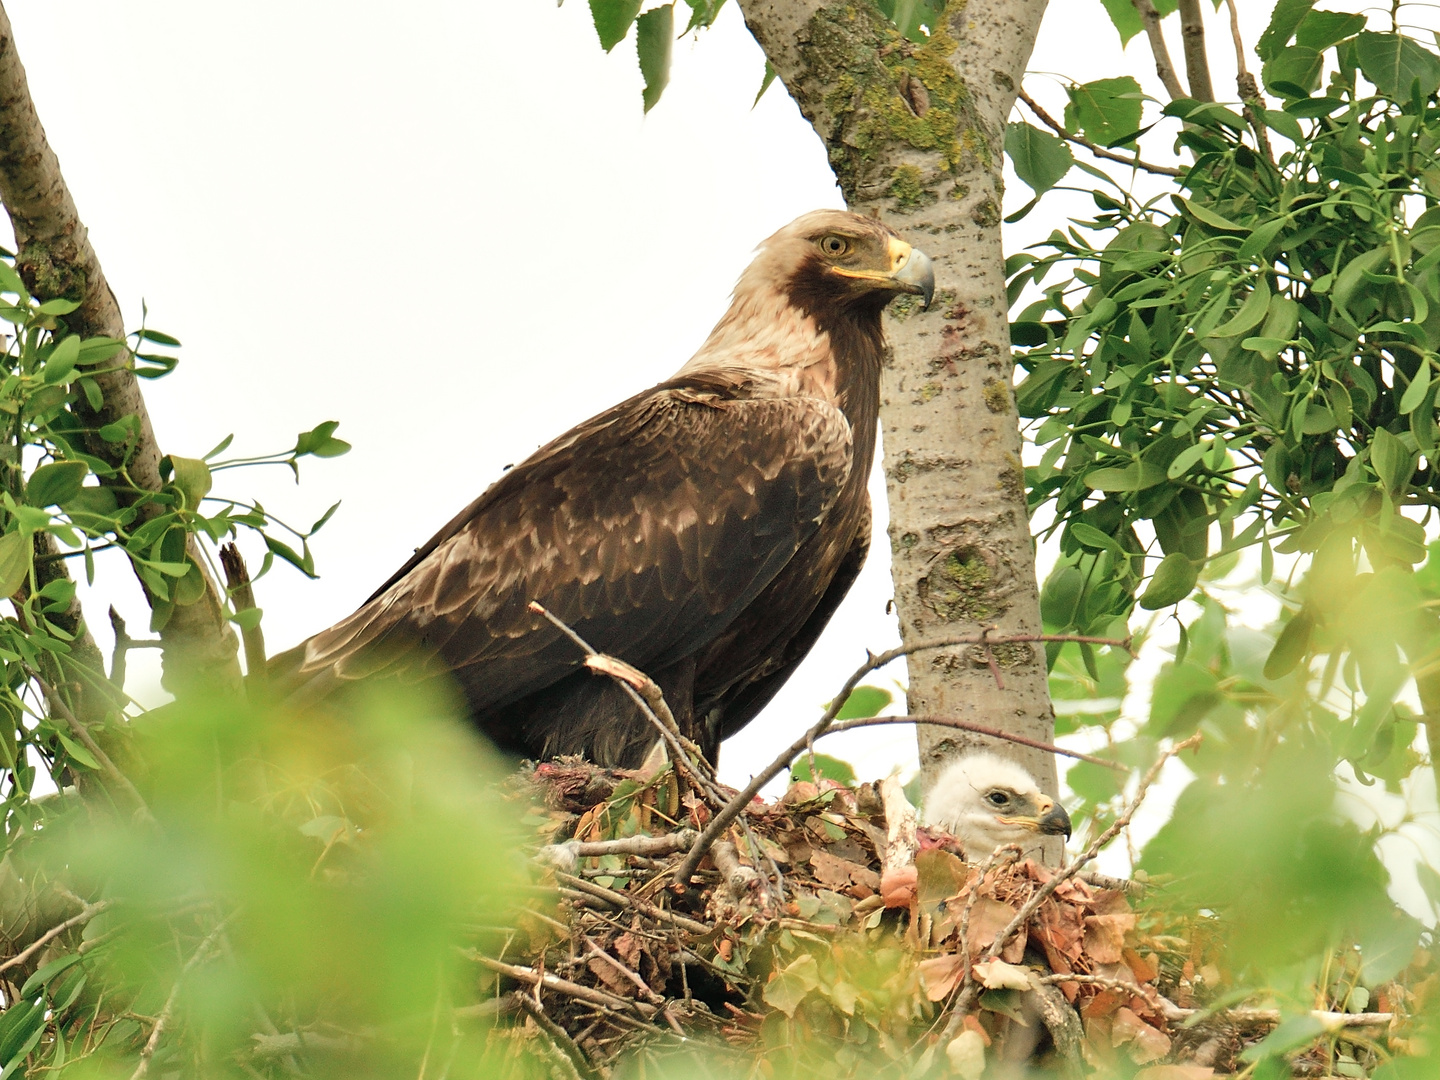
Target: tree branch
[
  {"x": 55, "y": 259},
  {"x": 1192, "y": 39},
  {"x": 721, "y": 821},
  {"x": 979, "y": 729},
  {"x": 1163, "y": 67},
  {"x": 1247, "y": 88}
]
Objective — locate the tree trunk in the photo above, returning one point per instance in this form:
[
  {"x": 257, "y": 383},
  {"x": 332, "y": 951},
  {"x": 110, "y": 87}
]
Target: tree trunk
[
  {"x": 55, "y": 259},
  {"x": 916, "y": 133}
]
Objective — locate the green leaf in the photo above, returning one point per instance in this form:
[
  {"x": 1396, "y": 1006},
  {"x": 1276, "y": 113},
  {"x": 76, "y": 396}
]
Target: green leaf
[
  {"x": 1416, "y": 391},
  {"x": 912, "y": 17},
  {"x": 1041, "y": 160},
  {"x": 1291, "y": 646},
  {"x": 864, "y": 701},
  {"x": 58, "y": 306},
  {"x": 46, "y": 973},
  {"x": 192, "y": 477},
  {"x": 1285, "y": 19},
  {"x": 14, "y": 562},
  {"x": 1290, "y": 1035},
  {"x": 1136, "y": 477},
  {"x": 654, "y": 33},
  {"x": 60, "y": 366},
  {"x": 788, "y": 986},
  {"x": 1261, "y": 238},
  {"x": 158, "y": 338},
  {"x": 826, "y": 768},
  {"x": 1186, "y": 460},
  {"x": 1391, "y": 459},
  {"x": 1293, "y": 72},
  {"x": 1321, "y": 29},
  {"x": 320, "y": 441},
  {"x": 1394, "y": 63},
  {"x": 1173, "y": 581},
  {"x": 56, "y": 483},
  {"x": 1206, "y": 216},
  {"x": 1126, "y": 19},
  {"x": 612, "y": 20},
  {"x": 249, "y": 618},
  {"x": 1106, "y": 111},
  {"x": 1094, "y": 538},
  {"x": 78, "y": 752},
  {"x": 765, "y": 81},
  {"x": 304, "y": 563}
]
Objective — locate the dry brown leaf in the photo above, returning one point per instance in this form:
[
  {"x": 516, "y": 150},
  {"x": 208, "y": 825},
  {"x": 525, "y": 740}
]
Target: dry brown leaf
[
  {"x": 897, "y": 887},
  {"x": 939, "y": 975},
  {"x": 987, "y": 918},
  {"x": 1146, "y": 1043},
  {"x": 1105, "y": 936},
  {"x": 998, "y": 975},
  {"x": 1146, "y": 968},
  {"x": 1175, "y": 1072}
]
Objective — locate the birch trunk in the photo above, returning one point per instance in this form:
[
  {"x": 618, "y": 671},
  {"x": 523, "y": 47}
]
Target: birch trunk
[{"x": 915, "y": 134}]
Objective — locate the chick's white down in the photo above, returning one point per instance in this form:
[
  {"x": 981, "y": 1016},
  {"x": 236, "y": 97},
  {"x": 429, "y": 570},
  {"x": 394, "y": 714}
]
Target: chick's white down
[{"x": 985, "y": 801}]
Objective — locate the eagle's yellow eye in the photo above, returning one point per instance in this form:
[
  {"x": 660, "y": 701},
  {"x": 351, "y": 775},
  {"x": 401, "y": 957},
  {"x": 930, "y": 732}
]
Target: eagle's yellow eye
[{"x": 834, "y": 245}]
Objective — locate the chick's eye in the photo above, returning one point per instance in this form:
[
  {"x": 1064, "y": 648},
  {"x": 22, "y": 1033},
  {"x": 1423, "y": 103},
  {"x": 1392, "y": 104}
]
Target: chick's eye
[
  {"x": 997, "y": 798},
  {"x": 834, "y": 245}
]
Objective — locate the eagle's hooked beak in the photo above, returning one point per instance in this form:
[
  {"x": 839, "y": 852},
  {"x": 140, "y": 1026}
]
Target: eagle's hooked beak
[
  {"x": 911, "y": 271},
  {"x": 1049, "y": 818},
  {"x": 914, "y": 273}
]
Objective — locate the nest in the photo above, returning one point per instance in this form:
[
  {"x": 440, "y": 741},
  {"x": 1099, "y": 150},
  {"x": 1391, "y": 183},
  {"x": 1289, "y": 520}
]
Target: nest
[{"x": 825, "y": 929}]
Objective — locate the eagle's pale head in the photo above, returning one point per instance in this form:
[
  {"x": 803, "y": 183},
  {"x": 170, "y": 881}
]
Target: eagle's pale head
[
  {"x": 832, "y": 257},
  {"x": 985, "y": 801}
]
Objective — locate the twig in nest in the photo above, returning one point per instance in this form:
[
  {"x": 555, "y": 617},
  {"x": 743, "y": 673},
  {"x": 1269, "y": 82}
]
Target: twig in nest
[
  {"x": 623, "y": 900},
  {"x": 643, "y": 691},
  {"x": 1000, "y": 857},
  {"x": 534, "y": 978},
  {"x": 1022, "y": 917},
  {"x": 574, "y": 1056},
  {"x": 1105, "y": 881},
  {"x": 979, "y": 729},
  {"x": 567, "y": 854},
  {"x": 242, "y": 595},
  {"x": 732, "y": 809}
]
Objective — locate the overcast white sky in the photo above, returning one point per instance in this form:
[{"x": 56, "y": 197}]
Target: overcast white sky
[{"x": 453, "y": 230}]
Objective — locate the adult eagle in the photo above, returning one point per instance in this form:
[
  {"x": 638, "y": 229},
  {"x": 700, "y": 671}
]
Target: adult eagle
[{"x": 704, "y": 530}]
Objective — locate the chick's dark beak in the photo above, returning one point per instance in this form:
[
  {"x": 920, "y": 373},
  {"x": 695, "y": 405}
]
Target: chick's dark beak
[{"x": 1056, "y": 821}]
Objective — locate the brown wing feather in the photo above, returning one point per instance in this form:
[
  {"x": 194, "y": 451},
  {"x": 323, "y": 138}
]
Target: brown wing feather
[{"x": 646, "y": 528}]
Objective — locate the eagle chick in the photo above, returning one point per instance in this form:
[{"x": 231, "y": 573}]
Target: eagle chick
[{"x": 985, "y": 802}]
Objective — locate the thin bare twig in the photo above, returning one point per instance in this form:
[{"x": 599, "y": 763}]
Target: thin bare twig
[
  {"x": 1001, "y": 856},
  {"x": 1254, "y": 104},
  {"x": 623, "y": 900},
  {"x": 583, "y": 1069},
  {"x": 1192, "y": 39},
  {"x": 531, "y": 977},
  {"x": 979, "y": 729},
  {"x": 1094, "y": 148},
  {"x": 84, "y": 916},
  {"x": 732, "y": 809},
  {"x": 58, "y": 706},
  {"x": 123, "y": 644},
  {"x": 153, "y": 1042},
  {"x": 1163, "y": 67},
  {"x": 242, "y": 596},
  {"x": 687, "y": 759}
]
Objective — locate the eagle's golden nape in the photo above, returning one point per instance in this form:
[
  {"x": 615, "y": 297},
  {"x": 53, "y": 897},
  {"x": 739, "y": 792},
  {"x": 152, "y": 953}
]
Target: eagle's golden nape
[{"x": 704, "y": 530}]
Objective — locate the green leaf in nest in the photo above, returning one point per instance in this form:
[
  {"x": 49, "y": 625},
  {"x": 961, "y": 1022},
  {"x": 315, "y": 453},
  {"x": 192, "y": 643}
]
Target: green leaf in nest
[
  {"x": 1041, "y": 160},
  {"x": 1173, "y": 581},
  {"x": 788, "y": 986},
  {"x": 192, "y": 477}
]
